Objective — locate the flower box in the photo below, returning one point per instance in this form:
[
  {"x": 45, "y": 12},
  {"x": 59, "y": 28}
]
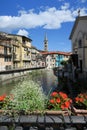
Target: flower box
[
  {"x": 45, "y": 112},
  {"x": 76, "y": 111},
  {"x": 55, "y": 112},
  {"x": 58, "y": 104},
  {"x": 80, "y": 104}
]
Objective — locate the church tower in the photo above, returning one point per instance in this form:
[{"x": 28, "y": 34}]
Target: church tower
[{"x": 45, "y": 43}]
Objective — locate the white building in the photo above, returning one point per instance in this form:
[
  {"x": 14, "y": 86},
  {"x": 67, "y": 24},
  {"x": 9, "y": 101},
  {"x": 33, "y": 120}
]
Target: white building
[{"x": 78, "y": 38}]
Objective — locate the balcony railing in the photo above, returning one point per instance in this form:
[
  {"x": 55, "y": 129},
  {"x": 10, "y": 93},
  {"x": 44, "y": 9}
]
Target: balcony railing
[
  {"x": 6, "y": 54},
  {"x": 5, "y": 44},
  {"x": 27, "y": 58}
]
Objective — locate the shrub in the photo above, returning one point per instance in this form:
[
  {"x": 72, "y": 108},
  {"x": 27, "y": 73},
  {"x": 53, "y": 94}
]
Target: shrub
[{"x": 28, "y": 96}]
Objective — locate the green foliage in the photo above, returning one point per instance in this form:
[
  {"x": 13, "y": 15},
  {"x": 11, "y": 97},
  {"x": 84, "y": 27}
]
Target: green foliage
[
  {"x": 63, "y": 62},
  {"x": 28, "y": 96}
]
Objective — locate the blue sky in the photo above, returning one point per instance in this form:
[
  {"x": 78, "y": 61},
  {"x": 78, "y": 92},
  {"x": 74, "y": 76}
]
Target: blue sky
[{"x": 34, "y": 18}]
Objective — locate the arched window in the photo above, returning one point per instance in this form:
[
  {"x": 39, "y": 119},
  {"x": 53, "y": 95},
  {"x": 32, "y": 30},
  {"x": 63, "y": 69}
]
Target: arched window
[{"x": 80, "y": 43}]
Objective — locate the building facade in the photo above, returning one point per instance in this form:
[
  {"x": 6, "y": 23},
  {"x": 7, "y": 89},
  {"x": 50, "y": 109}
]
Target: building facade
[
  {"x": 21, "y": 51},
  {"x": 78, "y": 39},
  {"x": 5, "y": 52},
  {"x": 15, "y": 51},
  {"x": 54, "y": 59}
]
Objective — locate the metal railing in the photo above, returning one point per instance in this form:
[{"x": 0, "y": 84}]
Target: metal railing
[{"x": 43, "y": 122}]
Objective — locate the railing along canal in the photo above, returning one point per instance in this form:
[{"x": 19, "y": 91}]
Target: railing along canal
[{"x": 44, "y": 122}]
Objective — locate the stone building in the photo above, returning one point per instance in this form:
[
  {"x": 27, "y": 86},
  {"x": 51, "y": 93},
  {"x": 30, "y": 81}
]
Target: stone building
[
  {"x": 78, "y": 39},
  {"x": 15, "y": 51},
  {"x": 21, "y": 51},
  {"x": 5, "y": 52}
]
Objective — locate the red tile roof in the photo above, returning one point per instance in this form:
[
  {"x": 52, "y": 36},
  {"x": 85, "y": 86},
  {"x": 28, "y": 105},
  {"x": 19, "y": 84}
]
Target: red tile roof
[{"x": 56, "y": 52}]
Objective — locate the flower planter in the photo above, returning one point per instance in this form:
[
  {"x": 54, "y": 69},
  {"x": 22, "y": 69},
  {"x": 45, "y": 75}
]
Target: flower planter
[
  {"x": 45, "y": 112},
  {"x": 53, "y": 112},
  {"x": 80, "y": 104},
  {"x": 79, "y": 111}
]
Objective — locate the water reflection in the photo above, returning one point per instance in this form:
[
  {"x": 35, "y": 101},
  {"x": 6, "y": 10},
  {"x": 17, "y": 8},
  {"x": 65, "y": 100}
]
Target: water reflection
[
  {"x": 8, "y": 85},
  {"x": 45, "y": 78},
  {"x": 48, "y": 81}
]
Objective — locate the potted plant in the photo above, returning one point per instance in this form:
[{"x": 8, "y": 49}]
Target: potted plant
[
  {"x": 26, "y": 97},
  {"x": 59, "y": 101},
  {"x": 80, "y": 104}
]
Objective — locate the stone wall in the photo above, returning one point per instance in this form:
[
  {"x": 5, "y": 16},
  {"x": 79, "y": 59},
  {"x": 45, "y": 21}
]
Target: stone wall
[{"x": 11, "y": 74}]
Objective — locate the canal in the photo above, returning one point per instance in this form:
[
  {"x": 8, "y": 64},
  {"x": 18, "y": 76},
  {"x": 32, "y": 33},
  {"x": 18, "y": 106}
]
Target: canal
[{"x": 46, "y": 78}]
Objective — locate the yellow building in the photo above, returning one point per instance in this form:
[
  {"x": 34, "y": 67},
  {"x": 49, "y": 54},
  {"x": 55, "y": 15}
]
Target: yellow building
[
  {"x": 5, "y": 52},
  {"x": 26, "y": 52},
  {"x": 21, "y": 51},
  {"x": 16, "y": 51}
]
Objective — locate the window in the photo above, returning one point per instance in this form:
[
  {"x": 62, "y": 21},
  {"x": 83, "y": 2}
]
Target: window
[
  {"x": 14, "y": 49},
  {"x": 80, "y": 65},
  {"x": 7, "y": 59},
  {"x": 80, "y": 43},
  {"x": 47, "y": 59},
  {"x": 66, "y": 56},
  {"x": 23, "y": 40},
  {"x": 9, "y": 50},
  {"x": 5, "y": 50}
]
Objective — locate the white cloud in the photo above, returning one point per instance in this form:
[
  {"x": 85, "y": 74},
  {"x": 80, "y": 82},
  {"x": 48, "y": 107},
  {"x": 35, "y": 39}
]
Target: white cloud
[
  {"x": 82, "y": 12},
  {"x": 65, "y": 6},
  {"x": 49, "y": 18},
  {"x": 23, "y": 32}
]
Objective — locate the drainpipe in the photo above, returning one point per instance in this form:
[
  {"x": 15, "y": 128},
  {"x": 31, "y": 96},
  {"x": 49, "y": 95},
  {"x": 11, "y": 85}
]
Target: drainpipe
[{"x": 83, "y": 65}]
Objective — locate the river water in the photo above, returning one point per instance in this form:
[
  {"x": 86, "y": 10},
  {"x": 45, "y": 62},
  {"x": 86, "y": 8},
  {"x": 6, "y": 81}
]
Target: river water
[{"x": 45, "y": 78}]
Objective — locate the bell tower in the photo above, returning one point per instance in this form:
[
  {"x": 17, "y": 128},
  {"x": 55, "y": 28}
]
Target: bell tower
[{"x": 45, "y": 43}]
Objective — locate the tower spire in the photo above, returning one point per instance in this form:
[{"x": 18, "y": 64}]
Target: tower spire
[
  {"x": 45, "y": 36},
  {"x": 45, "y": 43}
]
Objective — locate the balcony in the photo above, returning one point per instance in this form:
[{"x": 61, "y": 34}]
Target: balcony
[
  {"x": 16, "y": 57},
  {"x": 15, "y": 44},
  {"x": 27, "y": 58},
  {"x": 8, "y": 67},
  {"x": 29, "y": 50},
  {"x": 33, "y": 51},
  {"x": 2, "y": 53},
  {"x": 5, "y": 54},
  {"x": 6, "y": 44},
  {"x": 34, "y": 58}
]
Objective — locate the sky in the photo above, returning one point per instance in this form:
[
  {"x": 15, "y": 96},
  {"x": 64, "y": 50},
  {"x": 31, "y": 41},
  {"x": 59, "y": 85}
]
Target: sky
[{"x": 35, "y": 18}]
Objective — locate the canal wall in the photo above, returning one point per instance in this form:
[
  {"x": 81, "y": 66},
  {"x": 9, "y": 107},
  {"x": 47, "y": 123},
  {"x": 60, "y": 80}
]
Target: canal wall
[{"x": 12, "y": 74}]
